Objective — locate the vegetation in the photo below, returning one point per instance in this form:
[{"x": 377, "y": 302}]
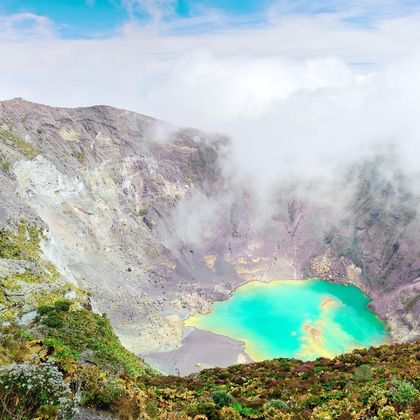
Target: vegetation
[
  {"x": 5, "y": 165},
  {"x": 363, "y": 373},
  {"x": 64, "y": 338},
  {"x": 10, "y": 138},
  {"x": 22, "y": 242},
  {"x": 222, "y": 399},
  {"x": 81, "y": 157},
  {"x": 374, "y": 383},
  {"x": 66, "y": 355},
  {"x": 30, "y": 391},
  {"x": 78, "y": 330},
  {"x": 141, "y": 212}
]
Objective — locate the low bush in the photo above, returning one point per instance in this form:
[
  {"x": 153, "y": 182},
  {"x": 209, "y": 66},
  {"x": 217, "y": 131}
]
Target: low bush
[
  {"x": 97, "y": 388},
  {"x": 28, "y": 391},
  {"x": 277, "y": 404},
  {"x": 53, "y": 321},
  {"x": 222, "y": 399},
  {"x": 403, "y": 393},
  {"x": 211, "y": 411},
  {"x": 62, "y": 305},
  {"x": 363, "y": 373}
]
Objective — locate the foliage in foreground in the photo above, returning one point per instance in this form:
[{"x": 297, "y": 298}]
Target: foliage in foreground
[
  {"x": 277, "y": 389},
  {"x": 29, "y": 390},
  {"x": 374, "y": 383}
]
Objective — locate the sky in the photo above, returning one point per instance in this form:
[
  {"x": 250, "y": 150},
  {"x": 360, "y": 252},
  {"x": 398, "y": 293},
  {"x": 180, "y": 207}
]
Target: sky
[{"x": 296, "y": 84}]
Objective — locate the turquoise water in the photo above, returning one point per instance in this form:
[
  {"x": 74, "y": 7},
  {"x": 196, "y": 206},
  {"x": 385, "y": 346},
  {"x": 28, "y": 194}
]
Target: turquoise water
[{"x": 300, "y": 319}]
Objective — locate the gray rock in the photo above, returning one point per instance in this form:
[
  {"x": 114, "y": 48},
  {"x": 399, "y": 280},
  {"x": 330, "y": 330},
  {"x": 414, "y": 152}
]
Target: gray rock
[{"x": 27, "y": 318}]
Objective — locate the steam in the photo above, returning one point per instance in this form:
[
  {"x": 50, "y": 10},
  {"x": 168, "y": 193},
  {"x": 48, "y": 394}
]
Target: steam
[{"x": 299, "y": 96}]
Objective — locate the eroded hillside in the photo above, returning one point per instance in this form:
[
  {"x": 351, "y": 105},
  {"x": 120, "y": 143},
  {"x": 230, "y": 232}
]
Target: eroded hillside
[{"x": 142, "y": 216}]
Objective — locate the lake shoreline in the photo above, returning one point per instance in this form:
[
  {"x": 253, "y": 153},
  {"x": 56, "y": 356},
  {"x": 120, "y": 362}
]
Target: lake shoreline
[
  {"x": 168, "y": 361},
  {"x": 312, "y": 332}
]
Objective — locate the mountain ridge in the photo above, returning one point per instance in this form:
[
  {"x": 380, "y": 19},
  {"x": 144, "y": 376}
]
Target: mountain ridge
[{"x": 143, "y": 216}]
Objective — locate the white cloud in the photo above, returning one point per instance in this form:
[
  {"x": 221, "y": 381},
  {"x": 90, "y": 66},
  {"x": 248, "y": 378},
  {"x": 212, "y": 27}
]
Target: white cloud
[
  {"x": 23, "y": 26},
  {"x": 295, "y": 95},
  {"x": 157, "y": 10}
]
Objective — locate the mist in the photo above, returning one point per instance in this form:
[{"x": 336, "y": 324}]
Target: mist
[{"x": 300, "y": 96}]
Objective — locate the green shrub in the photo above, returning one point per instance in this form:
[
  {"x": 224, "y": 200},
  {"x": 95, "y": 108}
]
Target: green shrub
[
  {"x": 53, "y": 321},
  {"x": 43, "y": 310},
  {"x": 222, "y": 399},
  {"x": 82, "y": 329},
  {"x": 224, "y": 375},
  {"x": 211, "y": 411},
  {"x": 99, "y": 389},
  {"x": 278, "y": 405},
  {"x": 28, "y": 391},
  {"x": 62, "y": 305},
  {"x": 245, "y": 411},
  {"x": 363, "y": 373},
  {"x": 403, "y": 392},
  {"x": 59, "y": 306}
]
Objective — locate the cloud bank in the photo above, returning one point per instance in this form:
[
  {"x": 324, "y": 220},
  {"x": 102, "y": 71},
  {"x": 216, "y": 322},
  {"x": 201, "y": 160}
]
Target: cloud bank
[{"x": 297, "y": 94}]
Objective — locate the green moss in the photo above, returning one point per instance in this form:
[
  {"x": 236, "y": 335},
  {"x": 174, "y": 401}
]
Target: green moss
[
  {"x": 10, "y": 138},
  {"x": 62, "y": 305}
]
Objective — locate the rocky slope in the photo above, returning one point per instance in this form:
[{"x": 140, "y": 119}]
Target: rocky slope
[{"x": 141, "y": 215}]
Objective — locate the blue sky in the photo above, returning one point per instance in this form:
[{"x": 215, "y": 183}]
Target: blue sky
[
  {"x": 84, "y": 18},
  {"x": 91, "y": 18}
]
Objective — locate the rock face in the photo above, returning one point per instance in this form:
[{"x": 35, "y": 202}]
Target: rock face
[{"x": 141, "y": 215}]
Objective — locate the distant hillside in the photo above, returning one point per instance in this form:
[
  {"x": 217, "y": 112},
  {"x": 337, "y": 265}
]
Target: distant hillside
[
  {"x": 144, "y": 217},
  {"x": 114, "y": 227}
]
